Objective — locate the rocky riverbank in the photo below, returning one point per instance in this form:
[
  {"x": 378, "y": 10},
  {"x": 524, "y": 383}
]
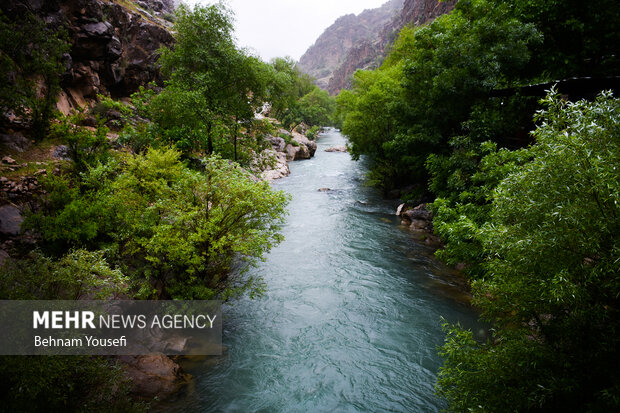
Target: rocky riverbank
[
  {"x": 272, "y": 163},
  {"x": 419, "y": 220}
]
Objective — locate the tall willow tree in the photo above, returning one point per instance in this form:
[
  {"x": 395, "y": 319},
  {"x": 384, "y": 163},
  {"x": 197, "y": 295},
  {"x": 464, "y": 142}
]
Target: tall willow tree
[{"x": 211, "y": 86}]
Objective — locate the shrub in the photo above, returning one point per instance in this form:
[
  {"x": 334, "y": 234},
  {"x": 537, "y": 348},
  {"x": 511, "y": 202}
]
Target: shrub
[
  {"x": 64, "y": 383},
  {"x": 28, "y": 50},
  {"x": 313, "y": 132},
  {"x": 80, "y": 274},
  {"x": 175, "y": 231},
  {"x": 86, "y": 147}
]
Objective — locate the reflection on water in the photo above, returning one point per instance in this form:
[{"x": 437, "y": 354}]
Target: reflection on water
[{"x": 351, "y": 319}]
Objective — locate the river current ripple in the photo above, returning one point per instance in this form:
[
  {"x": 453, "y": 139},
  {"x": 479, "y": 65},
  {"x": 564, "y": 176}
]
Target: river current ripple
[{"x": 351, "y": 320}]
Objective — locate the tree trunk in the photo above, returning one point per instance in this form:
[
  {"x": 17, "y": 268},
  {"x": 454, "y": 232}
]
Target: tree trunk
[
  {"x": 235, "y": 139},
  {"x": 209, "y": 139}
]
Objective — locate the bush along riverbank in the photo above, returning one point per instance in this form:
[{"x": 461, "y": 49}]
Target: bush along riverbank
[
  {"x": 161, "y": 195},
  {"x": 498, "y": 118}
]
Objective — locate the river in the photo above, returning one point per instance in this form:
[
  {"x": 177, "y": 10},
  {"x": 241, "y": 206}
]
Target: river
[{"x": 351, "y": 319}]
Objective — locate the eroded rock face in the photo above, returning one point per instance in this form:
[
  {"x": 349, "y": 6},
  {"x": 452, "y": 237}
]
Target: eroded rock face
[
  {"x": 272, "y": 164},
  {"x": 329, "y": 52},
  {"x": 278, "y": 144},
  {"x": 16, "y": 142},
  {"x": 114, "y": 46}
]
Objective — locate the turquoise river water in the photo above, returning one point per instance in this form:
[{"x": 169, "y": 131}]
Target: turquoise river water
[{"x": 351, "y": 320}]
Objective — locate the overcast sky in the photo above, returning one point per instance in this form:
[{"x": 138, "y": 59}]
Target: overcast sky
[{"x": 273, "y": 28}]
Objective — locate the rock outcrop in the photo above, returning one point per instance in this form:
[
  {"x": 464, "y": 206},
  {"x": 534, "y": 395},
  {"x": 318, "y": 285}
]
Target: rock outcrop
[
  {"x": 272, "y": 163},
  {"x": 334, "y": 67},
  {"x": 114, "y": 44},
  {"x": 420, "y": 12}
]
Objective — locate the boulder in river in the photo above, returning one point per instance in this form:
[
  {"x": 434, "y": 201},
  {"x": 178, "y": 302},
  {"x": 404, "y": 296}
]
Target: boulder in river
[
  {"x": 337, "y": 149},
  {"x": 419, "y": 212},
  {"x": 303, "y": 140}
]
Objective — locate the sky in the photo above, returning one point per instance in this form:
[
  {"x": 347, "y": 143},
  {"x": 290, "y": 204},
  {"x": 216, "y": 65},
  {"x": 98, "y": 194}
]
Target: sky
[{"x": 277, "y": 28}]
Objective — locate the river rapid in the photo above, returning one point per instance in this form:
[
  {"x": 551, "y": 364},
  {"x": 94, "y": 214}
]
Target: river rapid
[{"x": 351, "y": 319}]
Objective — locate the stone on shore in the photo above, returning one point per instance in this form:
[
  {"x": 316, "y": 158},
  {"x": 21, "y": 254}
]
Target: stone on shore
[{"x": 153, "y": 375}]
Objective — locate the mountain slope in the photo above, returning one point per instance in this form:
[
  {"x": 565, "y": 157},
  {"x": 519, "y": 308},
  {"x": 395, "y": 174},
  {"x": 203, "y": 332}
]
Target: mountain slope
[
  {"x": 332, "y": 47},
  {"x": 334, "y": 58}
]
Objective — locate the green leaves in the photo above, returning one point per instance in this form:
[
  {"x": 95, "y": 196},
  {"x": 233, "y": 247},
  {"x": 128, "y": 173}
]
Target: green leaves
[
  {"x": 79, "y": 274},
  {"x": 28, "y": 50},
  {"x": 550, "y": 275},
  {"x": 176, "y": 232}
]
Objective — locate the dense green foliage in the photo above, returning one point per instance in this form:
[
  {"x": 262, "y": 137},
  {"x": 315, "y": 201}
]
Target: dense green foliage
[
  {"x": 436, "y": 78},
  {"x": 30, "y": 69},
  {"x": 213, "y": 90},
  {"x": 79, "y": 274},
  {"x": 550, "y": 275},
  {"x": 536, "y": 227},
  {"x": 295, "y": 99},
  {"x": 174, "y": 231},
  {"x": 64, "y": 383}
]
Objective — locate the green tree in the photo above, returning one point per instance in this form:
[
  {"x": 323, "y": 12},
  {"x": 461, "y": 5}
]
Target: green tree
[
  {"x": 176, "y": 232},
  {"x": 30, "y": 69},
  {"x": 316, "y": 108},
  {"x": 551, "y": 286},
  {"x": 249, "y": 84},
  {"x": 438, "y": 75},
  {"x": 286, "y": 91},
  {"x": 199, "y": 68},
  {"x": 370, "y": 117}
]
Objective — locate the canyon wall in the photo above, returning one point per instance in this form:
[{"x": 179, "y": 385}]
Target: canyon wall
[{"x": 334, "y": 58}]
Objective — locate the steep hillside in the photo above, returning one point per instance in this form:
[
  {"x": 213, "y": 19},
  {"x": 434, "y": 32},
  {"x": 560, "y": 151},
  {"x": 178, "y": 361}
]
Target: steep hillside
[
  {"x": 331, "y": 48},
  {"x": 369, "y": 51},
  {"x": 114, "y": 43}
]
